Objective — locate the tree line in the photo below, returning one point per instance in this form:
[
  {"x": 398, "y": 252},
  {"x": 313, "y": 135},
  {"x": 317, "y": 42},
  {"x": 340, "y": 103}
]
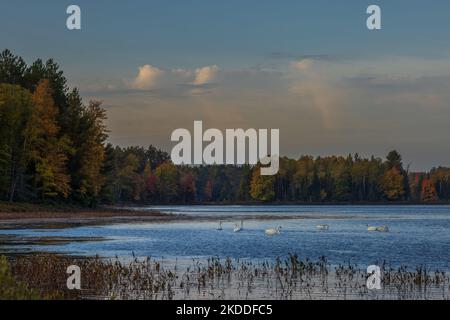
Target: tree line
[
  {"x": 54, "y": 148},
  {"x": 147, "y": 176}
]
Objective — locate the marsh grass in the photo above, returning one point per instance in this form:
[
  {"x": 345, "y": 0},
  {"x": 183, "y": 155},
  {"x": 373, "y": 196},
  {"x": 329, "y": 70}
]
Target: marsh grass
[{"x": 215, "y": 278}]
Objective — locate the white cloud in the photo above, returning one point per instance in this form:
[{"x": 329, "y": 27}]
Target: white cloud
[
  {"x": 151, "y": 77},
  {"x": 205, "y": 75},
  {"x": 147, "y": 77},
  {"x": 303, "y": 65}
]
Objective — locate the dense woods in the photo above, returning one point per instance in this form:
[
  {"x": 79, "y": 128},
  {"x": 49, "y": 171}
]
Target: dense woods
[
  {"x": 54, "y": 148},
  {"x": 51, "y": 145},
  {"x": 147, "y": 176}
]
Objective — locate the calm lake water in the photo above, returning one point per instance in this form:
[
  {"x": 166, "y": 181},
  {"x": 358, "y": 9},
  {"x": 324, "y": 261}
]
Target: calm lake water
[{"x": 419, "y": 235}]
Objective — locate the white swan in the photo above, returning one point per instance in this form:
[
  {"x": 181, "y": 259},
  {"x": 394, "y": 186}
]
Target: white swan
[
  {"x": 383, "y": 229},
  {"x": 272, "y": 231},
  {"x": 220, "y": 226},
  {"x": 239, "y": 228},
  {"x": 379, "y": 228},
  {"x": 323, "y": 227}
]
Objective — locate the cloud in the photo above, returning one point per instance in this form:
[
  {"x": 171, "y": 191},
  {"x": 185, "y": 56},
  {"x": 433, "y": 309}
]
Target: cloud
[
  {"x": 303, "y": 65},
  {"x": 205, "y": 75},
  {"x": 147, "y": 77},
  {"x": 322, "y": 105},
  {"x": 178, "y": 81},
  {"x": 294, "y": 56}
]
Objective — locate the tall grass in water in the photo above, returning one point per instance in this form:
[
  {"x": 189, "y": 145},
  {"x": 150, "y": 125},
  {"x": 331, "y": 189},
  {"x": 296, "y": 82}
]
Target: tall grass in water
[
  {"x": 214, "y": 278},
  {"x": 10, "y": 289}
]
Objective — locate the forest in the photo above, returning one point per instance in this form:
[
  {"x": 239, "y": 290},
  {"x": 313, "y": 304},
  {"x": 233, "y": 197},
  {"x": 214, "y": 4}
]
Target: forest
[{"x": 54, "y": 149}]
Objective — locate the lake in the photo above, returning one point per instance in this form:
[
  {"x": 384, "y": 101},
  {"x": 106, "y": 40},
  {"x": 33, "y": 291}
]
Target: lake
[{"x": 418, "y": 235}]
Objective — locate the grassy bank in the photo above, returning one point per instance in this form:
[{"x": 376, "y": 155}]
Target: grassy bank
[
  {"x": 26, "y": 215},
  {"x": 21, "y": 207},
  {"x": 18, "y": 210}
]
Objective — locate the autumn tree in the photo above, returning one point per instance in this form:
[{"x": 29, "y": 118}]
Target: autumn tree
[
  {"x": 47, "y": 151},
  {"x": 441, "y": 180},
  {"x": 428, "y": 193},
  {"x": 90, "y": 154},
  {"x": 187, "y": 186},
  {"x": 394, "y": 160},
  {"x": 392, "y": 184},
  {"x": 50, "y": 71},
  {"x": 167, "y": 181},
  {"x": 262, "y": 187}
]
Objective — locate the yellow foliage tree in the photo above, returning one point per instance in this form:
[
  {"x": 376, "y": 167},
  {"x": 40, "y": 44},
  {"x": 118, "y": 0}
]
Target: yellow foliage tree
[
  {"x": 167, "y": 181},
  {"x": 392, "y": 184},
  {"x": 91, "y": 152},
  {"x": 47, "y": 150},
  {"x": 262, "y": 187}
]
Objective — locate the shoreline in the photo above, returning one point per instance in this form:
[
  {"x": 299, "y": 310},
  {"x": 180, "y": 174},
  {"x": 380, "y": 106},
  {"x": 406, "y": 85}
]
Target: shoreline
[
  {"x": 61, "y": 221},
  {"x": 287, "y": 203},
  {"x": 42, "y": 217}
]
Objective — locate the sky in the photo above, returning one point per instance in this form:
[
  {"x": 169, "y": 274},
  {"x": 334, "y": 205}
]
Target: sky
[{"x": 309, "y": 68}]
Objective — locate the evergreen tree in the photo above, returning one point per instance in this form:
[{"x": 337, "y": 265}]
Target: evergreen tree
[{"x": 15, "y": 110}]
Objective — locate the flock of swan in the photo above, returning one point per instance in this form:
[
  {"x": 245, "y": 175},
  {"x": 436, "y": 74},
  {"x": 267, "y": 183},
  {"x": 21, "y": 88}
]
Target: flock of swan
[{"x": 276, "y": 231}]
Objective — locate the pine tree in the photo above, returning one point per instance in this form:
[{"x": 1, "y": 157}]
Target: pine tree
[{"x": 15, "y": 109}]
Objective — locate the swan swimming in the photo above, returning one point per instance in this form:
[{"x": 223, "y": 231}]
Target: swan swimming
[
  {"x": 383, "y": 229},
  {"x": 379, "y": 229},
  {"x": 272, "y": 231},
  {"x": 238, "y": 228},
  {"x": 323, "y": 227}
]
